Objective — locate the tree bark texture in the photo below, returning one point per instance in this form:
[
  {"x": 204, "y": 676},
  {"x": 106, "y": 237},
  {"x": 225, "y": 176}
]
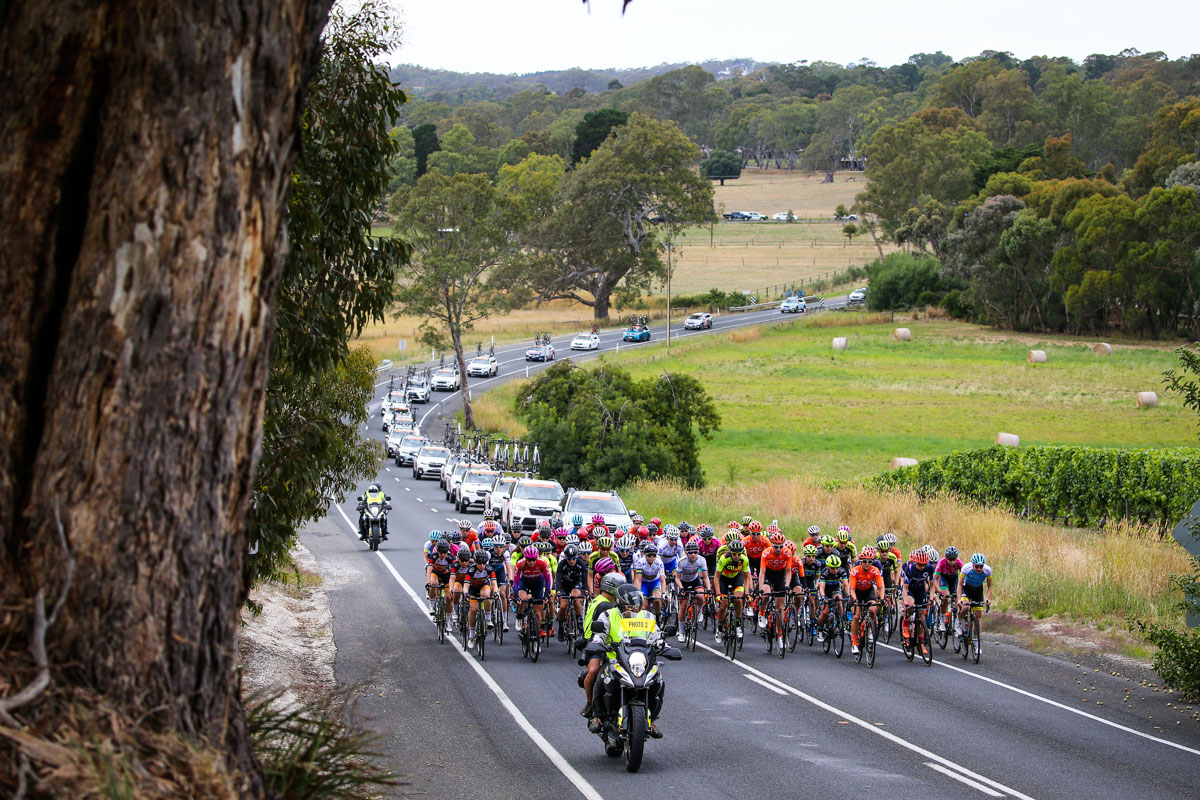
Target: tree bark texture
[{"x": 146, "y": 161}]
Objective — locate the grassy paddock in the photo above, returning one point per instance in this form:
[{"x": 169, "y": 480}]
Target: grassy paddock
[
  {"x": 770, "y": 191},
  {"x": 1040, "y": 570}
]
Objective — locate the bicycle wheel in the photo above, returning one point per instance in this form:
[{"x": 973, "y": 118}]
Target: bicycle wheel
[
  {"x": 943, "y": 635},
  {"x": 907, "y": 643},
  {"x": 439, "y": 615},
  {"x": 810, "y": 625},
  {"x": 859, "y": 655},
  {"x": 792, "y": 622},
  {"x": 535, "y": 643},
  {"x": 839, "y": 643},
  {"x": 956, "y": 623},
  {"x": 976, "y": 639},
  {"x": 770, "y": 631},
  {"x": 872, "y": 636},
  {"x": 893, "y": 618},
  {"x": 926, "y": 647},
  {"x": 480, "y": 633},
  {"x": 965, "y": 639}
]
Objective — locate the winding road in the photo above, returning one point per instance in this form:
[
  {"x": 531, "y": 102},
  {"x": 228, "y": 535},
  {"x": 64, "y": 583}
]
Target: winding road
[{"x": 1017, "y": 725}]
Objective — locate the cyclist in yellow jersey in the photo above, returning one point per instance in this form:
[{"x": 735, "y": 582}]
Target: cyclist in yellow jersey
[{"x": 733, "y": 577}]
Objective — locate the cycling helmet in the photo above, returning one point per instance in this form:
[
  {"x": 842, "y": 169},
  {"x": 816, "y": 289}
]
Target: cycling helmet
[
  {"x": 732, "y": 536},
  {"x": 755, "y": 527},
  {"x": 636, "y": 517},
  {"x": 650, "y": 550},
  {"x": 736, "y": 546},
  {"x": 845, "y": 528},
  {"x": 931, "y": 552},
  {"x": 560, "y": 533},
  {"x": 843, "y": 536},
  {"x": 618, "y": 533},
  {"x": 491, "y": 513},
  {"x": 530, "y": 552},
  {"x": 691, "y": 547},
  {"x": 442, "y": 546},
  {"x": 524, "y": 542},
  {"x": 881, "y": 541},
  {"x": 585, "y": 548},
  {"x": 652, "y": 528},
  {"x": 777, "y": 539},
  {"x": 671, "y": 532},
  {"x": 543, "y": 525},
  {"x": 570, "y": 551},
  {"x": 434, "y": 535},
  {"x": 951, "y": 553},
  {"x": 626, "y": 542},
  {"x": 613, "y": 580},
  {"x": 629, "y": 597},
  {"x": 706, "y": 531},
  {"x": 833, "y": 562},
  {"x": 868, "y": 553},
  {"x": 734, "y": 525},
  {"x": 810, "y": 550},
  {"x": 773, "y": 528},
  {"x": 464, "y": 553},
  {"x": 605, "y": 565},
  {"x": 605, "y": 542},
  {"x": 374, "y": 487},
  {"x": 814, "y": 530},
  {"x": 544, "y": 547},
  {"x": 827, "y": 541},
  {"x": 572, "y": 538},
  {"x": 747, "y": 519},
  {"x": 597, "y": 519},
  {"x": 481, "y": 557},
  {"x": 488, "y": 543},
  {"x": 489, "y": 526},
  {"x": 979, "y": 558},
  {"x": 921, "y": 557},
  {"x": 455, "y": 536},
  {"x": 599, "y": 530},
  {"x": 684, "y": 527},
  {"x": 464, "y": 524},
  {"x": 891, "y": 537},
  {"x": 577, "y": 520},
  {"x": 643, "y": 532},
  {"x": 502, "y": 538}
]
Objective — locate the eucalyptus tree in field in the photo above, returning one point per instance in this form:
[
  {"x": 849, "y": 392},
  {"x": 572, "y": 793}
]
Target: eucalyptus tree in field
[{"x": 460, "y": 230}]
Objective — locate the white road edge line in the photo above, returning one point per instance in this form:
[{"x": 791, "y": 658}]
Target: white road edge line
[
  {"x": 586, "y": 789},
  {"x": 891, "y": 737},
  {"x": 764, "y": 684},
  {"x": 1057, "y": 704},
  {"x": 952, "y": 774}
]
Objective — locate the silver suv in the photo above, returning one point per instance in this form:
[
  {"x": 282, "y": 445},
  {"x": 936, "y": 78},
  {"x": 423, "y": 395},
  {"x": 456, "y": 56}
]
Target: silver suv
[
  {"x": 530, "y": 501},
  {"x": 475, "y": 488},
  {"x": 429, "y": 461},
  {"x": 406, "y": 451}
]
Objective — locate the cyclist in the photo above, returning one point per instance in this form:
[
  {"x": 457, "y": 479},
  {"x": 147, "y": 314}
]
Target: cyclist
[
  {"x": 577, "y": 525},
  {"x": 776, "y": 568},
  {"x": 498, "y": 562},
  {"x": 480, "y": 584},
  {"x": 686, "y": 531},
  {"x": 691, "y": 575},
  {"x": 810, "y": 569},
  {"x": 814, "y": 536},
  {"x": 846, "y": 549},
  {"x": 572, "y": 579},
  {"x": 709, "y": 544},
  {"x": 756, "y": 542},
  {"x": 458, "y": 574},
  {"x": 733, "y": 576},
  {"x": 600, "y": 569},
  {"x": 488, "y": 529},
  {"x": 827, "y": 544},
  {"x": 439, "y": 566},
  {"x": 469, "y": 536},
  {"x": 605, "y": 599},
  {"x": 604, "y": 545},
  {"x": 970, "y": 583},
  {"x": 947, "y": 569},
  {"x": 890, "y": 560},
  {"x": 916, "y": 577},
  {"x": 434, "y": 536},
  {"x": 647, "y": 577},
  {"x": 532, "y": 583},
  {"x": 831, "y": 578},
  {"x": 625, "y": 545},
  {"x": 670, "y": 549},
  {"x": 559, "y": 541},
  {"x": 866, "y": 586},
  {"x": 546, "y": 553}
]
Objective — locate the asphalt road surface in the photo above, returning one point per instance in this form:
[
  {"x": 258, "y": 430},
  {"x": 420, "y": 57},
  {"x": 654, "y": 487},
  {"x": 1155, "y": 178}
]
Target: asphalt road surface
[{"x": 1016, "y": 725}]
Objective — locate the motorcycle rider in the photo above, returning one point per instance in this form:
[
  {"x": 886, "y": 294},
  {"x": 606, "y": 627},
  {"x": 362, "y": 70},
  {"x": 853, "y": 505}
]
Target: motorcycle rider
[
  {"x": 599, "y": 607},
  {"x": 608, "y": 629},
  {"x": 374, "y": 495}
]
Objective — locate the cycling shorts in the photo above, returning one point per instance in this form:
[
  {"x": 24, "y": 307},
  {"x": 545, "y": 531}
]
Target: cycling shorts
[
  {"x": 809, "y": 582},
  {"x": 710, "y": 559},
  {"x": 650, "y": 586},
  {"x": 669, "y": 566},
  {"x": 728, "y": 585},
  {"x": 774, "y": 578},
  {"x": 973, "y": 593},
  {"x": 887, "y": 579},
  {"x": 443, "y": 578},
  {"x": 475, "y": 591},
  {"x": 536, "y": 587},
  {"x": 566, "y": 587},
  {"x": 919, "y": 592},
  {"x": 692, "y": 586},
  {"x": 950, "y": 583},
  {"x": 866, "y": 595},
  {"x": 831, "y": 590}
]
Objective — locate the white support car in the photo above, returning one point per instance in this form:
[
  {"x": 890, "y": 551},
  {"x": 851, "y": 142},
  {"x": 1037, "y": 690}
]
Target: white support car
[
  {"x": 588, "y": 503},
  {"x": 530, "y": 502},
  {"x": 698, "y": 321},
  {"x": 417, "y": 391},
  {"x": 858, "y": 295},
  {"x": 586, "y": 341},
  {"x": 499, "y": 494},
  {"x": 483, "y": 366},
  {"x": 429, "y": 461},
  {"x": 446, "y": 380},
  {"x": 393, "y": 440},
  {"x": 475, "y": 487},
  {"x": 793, "y": 305}
]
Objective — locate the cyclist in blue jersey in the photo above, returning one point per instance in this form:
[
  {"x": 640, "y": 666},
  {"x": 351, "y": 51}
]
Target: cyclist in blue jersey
[{"x": 971, "y": 583}]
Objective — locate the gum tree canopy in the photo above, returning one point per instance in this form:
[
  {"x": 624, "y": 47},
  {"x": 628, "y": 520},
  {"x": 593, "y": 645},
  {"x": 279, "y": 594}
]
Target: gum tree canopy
[{"x": 146, "y": 159}]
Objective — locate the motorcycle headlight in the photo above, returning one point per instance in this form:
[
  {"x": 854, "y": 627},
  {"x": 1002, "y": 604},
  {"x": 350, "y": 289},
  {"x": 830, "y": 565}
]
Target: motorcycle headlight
[{"x": 637, "y": 664}]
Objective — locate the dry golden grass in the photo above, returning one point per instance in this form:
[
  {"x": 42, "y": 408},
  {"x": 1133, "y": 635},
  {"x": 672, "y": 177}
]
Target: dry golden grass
[
  {"x": 744, "y": 335},
  {"x": 772, "y": 191},
  {"x": 493, "y": 410},
  {"x": 1117, "y": 575}
]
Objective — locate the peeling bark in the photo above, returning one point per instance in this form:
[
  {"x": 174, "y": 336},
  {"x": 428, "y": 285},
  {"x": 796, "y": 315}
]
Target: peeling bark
[{"x": 148, "y": 149}]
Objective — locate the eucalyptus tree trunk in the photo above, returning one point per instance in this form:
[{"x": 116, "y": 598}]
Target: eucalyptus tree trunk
[{"x": 146, "y": 161}]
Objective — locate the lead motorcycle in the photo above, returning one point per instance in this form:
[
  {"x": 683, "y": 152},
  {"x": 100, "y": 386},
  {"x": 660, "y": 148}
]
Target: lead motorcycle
[
  {"x": 631, "y": 688},
  {"x": 373, "y": 517}
]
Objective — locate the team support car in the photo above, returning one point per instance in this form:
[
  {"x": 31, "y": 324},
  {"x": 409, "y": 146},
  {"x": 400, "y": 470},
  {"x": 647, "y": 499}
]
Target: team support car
[
  {"x": 586, "y": 341},
  {"x": 498, "y": 496},
  {"x": 540, "y": 352},
  {"x": 531, "y": 501},
  {"x": 858, "y": 295},
  {"x": 475, "y": 487},
  {"x": 793, "y": 305},
  {"x": 446, "y": 380},
  {"x": 417, "y": 391},
  {"x": 636, "y": 333},
  {"x": 455, "y": 478},
  {"x": 484, "y": 366},
  {"x": 406, "y": 451},
  {"x": 429, "y": 461},
  {"x": 698, "y": 321},
  {"x": 392, "y": 442},
  {"x": 394, "y": 401},
  {"x": 587, "y": 503}
]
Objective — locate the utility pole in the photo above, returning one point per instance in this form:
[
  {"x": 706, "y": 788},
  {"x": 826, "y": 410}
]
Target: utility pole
[{"x": 668, "y": 290}]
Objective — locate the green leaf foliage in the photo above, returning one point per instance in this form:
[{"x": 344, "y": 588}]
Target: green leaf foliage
[
  {"x": 899, "y": 280},
  {"x": 594, "y": 129},
  {"x": 722, "y": 165},
  {"x": 600, "y": 429},
  {"x": 1081, "y": 486}
]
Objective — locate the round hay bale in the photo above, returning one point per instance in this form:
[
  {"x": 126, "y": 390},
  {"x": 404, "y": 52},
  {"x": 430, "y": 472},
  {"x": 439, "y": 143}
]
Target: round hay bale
[
  {"x": 897, "y": 463},
  {"x": 1008, "y": 439},
  {"x": 1036, "y": 357},
  {"x": 902, "y": 334},
  {"x": 1102, "y": 349},
  {"x": 839, "y": 343},
  {"x": 1147, "y": 399}
]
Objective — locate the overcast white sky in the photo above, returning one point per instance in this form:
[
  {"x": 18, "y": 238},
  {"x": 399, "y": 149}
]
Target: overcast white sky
[{"x": 517, "y": 36}]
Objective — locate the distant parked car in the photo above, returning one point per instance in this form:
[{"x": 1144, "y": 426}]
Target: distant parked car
[
  {"x": 793, "y": 305},
  {"x": 586, "y": 341},
  {"x": 698, "y": 321},
  {"x": 850, "y": 217},
  {"x": 484, "y": 366},
  {"x": 636, "y": 333},
  {"x": 858, "y": 295},
  {"x": 783, "y": 216},
  {"x": 753, "y": 216},
  {"x": 734, "y": 216},
  {"x": 540, "y": 352}
]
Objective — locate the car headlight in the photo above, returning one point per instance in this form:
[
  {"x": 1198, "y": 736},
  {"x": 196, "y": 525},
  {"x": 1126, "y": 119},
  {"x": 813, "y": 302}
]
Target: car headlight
[{"x": 637, "y": 664}]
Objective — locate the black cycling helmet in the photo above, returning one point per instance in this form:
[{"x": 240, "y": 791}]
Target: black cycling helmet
[
  {"x": 442, "y": 546},
  {"x": 570, "y": 551},
  {"x": 481, "y": 557},
  {"x": 650, "y": 550},
  {"x": 524, "y": 542},
  {"x": 629, "y": 597},
  {"x": 691, "y": 547}
]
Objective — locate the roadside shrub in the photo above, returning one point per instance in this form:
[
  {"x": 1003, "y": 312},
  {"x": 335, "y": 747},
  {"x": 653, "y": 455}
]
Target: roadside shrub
[
  {"x": 900, "y": 280},
  {"x": 1081, "y": 486},
  {"x": 1177, "y": 658},
  {"x": 713, "y": 298}
]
